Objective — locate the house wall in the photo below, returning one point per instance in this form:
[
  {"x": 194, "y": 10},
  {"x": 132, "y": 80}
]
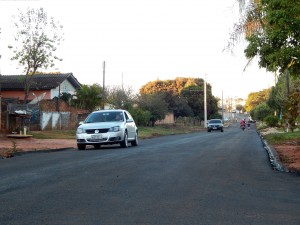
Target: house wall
[
  {"x": 65, "y": 86},
  {"x": 20, "y": 94}
]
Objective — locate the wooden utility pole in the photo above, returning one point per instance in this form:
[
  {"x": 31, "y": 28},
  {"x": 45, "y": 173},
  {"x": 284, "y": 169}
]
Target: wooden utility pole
[
  {"x": 205, "y": 105},
  {"x": 0, "y": 98},
  {"x": 104, "y": 84}
]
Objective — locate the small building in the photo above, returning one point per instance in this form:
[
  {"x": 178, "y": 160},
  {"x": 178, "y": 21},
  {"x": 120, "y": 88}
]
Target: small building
[
  {"x": 44, "y": 87},
  {"x": 47, "y": 85}
]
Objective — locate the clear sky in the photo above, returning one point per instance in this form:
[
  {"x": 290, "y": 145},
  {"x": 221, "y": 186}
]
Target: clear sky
[{"x": 144, "y": 40}]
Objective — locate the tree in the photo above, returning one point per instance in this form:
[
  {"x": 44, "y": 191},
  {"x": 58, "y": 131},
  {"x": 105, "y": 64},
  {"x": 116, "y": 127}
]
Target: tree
[
  {"x": 184, "y": 96},
  {"x": 255, "y": 98},
  {"x": 239, "y": 107},
  {"x": 89, "y": 97},
  {"x": 37, "y": 38},
  {"x": 155, "y": 104},
  {"x": 277, "y": 42},
  {"x": 120, "y": 98},
  {"x": 261, "y": 111}
]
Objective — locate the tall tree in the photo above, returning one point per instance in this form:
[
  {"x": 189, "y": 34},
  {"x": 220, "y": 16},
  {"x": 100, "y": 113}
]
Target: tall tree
[
  {"x": 155, "y": 104},
  {"x": 256, "y": 98},
  {"x": 37, "y": 37},
  {"x": 184, "y": 96},
  {"x": 277, "y": 42}
]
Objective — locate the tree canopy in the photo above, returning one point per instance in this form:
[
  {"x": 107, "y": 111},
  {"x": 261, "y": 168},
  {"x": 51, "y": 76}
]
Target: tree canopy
[
  {"x": 36, "y": 39},
  {"x": 276, "y": 42},
  {"x": 256, "y": 98},
  {"x": 184, "y": 96}
]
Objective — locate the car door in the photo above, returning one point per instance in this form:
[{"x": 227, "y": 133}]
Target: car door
[{"x": 130, "y": 125}]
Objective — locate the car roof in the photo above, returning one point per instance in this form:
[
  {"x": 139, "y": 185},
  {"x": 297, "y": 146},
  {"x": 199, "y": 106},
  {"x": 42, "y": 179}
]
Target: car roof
[{"x": 109, "y": 110}]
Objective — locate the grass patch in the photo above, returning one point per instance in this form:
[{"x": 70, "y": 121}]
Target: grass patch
[
  {"x": 147, "y": 132},
  {"x": 280, "y": 138},
  {"x": 144, "y": 132},
  {"x": 54, "y": 134}
]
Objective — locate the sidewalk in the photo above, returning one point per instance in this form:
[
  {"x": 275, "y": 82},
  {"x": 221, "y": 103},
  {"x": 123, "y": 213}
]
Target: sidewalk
[{"x": 32, "y": 144}]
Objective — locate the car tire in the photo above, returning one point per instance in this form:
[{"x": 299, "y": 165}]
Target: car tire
[
  {"x": 208, "y": 130},
  {"x": 124, "y": 143},
  {"x": 81, "y": 147},
  {"x": 222, "y": 130},
  {"x": 136, "y": 140}
]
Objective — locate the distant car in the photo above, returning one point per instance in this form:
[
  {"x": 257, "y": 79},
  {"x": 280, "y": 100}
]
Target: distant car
[
  {"x": 106, "y": 127},
  {"x": 215, "y": 124}
]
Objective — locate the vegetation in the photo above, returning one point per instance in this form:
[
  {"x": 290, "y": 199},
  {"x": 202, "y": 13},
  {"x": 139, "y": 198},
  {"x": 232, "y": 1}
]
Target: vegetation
[
  {"x": 37, "y": 38},
  {"x": 89, "y": 97},
  {"x": 271, "y": 29},
  {"x": 256, "y": 98},
  {"x": 184, "y": 96},
  {"x": 281, "y": 138},
  {"x": 144, "y": 132},
  {"x": 271, "y": 121}
]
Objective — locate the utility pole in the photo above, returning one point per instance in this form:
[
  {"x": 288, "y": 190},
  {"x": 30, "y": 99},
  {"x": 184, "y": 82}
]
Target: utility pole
[
  {"x": 0, "y": 98},
  {"x": 222, "y": 109},
  {"x": 104, "y": 84},
  {"x": 205, "y": 107}
]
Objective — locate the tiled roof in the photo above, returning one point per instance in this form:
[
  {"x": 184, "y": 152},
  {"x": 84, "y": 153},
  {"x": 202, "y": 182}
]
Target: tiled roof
[{"x": 39, "y": 81}]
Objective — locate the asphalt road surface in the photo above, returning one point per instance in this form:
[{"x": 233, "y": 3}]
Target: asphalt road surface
[{"x": 201, "y": 178}]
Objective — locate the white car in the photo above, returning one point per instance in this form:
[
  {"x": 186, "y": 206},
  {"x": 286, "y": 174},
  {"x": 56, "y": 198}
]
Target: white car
[
  {"x": 104, "y": 127},
  {"x": 215, "y": 124}
]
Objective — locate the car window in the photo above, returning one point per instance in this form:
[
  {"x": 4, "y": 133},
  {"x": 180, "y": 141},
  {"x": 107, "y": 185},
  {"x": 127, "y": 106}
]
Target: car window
[
  {"x": 104, "y": 117},
  {"x": 215, "y": 121}
]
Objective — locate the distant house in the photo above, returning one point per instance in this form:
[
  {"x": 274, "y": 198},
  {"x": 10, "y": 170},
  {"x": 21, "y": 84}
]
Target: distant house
[{"x": 48, "y": 86}]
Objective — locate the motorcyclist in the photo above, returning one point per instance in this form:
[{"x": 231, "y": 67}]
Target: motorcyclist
[{"x": 242, "y": 123}]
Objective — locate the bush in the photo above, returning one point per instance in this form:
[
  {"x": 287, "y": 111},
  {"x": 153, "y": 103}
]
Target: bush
[
  {"x": 141, "y": 117},
  {"x": 271, "y": 121}
]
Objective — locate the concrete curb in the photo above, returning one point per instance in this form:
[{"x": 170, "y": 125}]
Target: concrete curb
[
  {"x": 45, "y": 151},
  {"x": 38, "y": 151},
  {"x": 273, "y": 157}
]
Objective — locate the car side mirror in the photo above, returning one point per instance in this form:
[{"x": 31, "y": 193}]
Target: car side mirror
[{"x": 81, "y": 122}]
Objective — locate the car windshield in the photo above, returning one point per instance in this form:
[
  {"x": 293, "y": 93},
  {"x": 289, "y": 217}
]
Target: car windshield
[
  {"x": 215, "y": 121},
  {"x": 104, "y": 117}
]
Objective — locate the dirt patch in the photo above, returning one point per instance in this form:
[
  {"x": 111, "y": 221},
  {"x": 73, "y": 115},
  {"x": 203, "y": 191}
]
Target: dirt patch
[
  {"x": 12, "y": 145},
  {"x": 289, "y": 155}
]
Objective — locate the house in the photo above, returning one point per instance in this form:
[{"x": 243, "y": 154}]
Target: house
[{"x": 47, "y": 86}]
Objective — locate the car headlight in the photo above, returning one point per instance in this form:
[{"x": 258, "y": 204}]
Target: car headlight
[
  {"x": 80, "y": 131},
  {"x": 114, "y": 129}
]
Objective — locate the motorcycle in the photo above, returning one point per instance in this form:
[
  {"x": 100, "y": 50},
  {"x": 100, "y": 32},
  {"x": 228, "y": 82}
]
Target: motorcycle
[{"x": 243, "y": 127}]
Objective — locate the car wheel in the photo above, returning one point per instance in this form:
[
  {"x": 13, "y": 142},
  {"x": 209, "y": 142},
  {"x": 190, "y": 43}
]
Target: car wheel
[
  {"x": 136, "y": 140},
  {"x": 81, "y": 147},
  {"x": 208, "y": 130},
  {"x": 124, "y": 143},
  {"x": 222, "y": 130},
  {"x": 97, "y": 146}
]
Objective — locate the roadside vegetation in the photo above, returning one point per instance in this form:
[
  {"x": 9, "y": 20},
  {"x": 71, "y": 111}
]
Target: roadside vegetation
[{"x": 144, "y": 132}]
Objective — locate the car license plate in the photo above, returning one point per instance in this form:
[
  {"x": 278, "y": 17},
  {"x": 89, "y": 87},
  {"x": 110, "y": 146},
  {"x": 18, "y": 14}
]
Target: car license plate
[
  {"x": 96, "y": 136},
  {"x": 214, "y": 128}
]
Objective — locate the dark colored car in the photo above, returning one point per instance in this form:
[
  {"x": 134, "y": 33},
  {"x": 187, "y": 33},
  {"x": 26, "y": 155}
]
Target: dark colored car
[{"x": 215, "y": 124}]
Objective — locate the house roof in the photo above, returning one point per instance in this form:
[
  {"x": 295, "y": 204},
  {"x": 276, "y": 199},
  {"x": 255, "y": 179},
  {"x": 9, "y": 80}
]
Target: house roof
[{"x": 39, "y": 81}]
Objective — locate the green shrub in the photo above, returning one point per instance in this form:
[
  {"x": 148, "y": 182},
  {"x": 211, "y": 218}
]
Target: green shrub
[{"x": 271, "y": 121}]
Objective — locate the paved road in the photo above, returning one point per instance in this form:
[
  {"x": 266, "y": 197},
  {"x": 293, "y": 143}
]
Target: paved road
[{"x": 202, "y": 178}]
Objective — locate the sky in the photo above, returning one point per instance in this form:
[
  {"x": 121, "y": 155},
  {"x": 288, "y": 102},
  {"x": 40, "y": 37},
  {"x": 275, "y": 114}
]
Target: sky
[{"x": 142, "y": 41}]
